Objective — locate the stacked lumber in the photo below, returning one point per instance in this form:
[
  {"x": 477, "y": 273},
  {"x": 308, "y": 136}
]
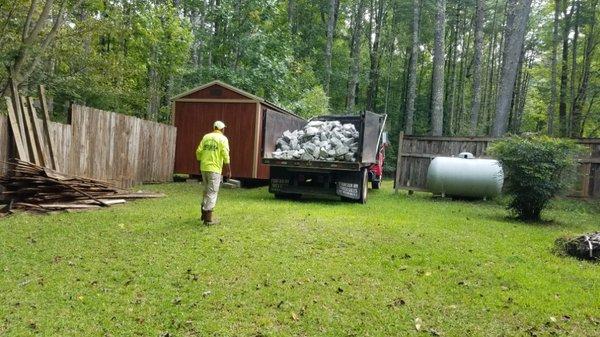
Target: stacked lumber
[{"x": 37, "y": 189}]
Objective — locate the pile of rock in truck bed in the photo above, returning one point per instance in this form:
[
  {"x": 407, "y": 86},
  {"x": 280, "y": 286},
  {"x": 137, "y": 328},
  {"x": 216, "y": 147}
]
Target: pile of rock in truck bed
[{"x": 319, "y": 140}]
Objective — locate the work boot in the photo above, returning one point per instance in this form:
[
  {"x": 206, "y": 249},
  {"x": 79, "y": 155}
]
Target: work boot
[{"x": 208, "y": 219}]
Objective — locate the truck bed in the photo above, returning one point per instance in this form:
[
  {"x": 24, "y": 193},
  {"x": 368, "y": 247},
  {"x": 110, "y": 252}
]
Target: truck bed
[{"x": 370, "y": 126}]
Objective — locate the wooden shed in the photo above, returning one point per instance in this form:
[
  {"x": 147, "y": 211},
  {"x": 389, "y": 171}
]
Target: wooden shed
[{"x": 194, "y": 112}]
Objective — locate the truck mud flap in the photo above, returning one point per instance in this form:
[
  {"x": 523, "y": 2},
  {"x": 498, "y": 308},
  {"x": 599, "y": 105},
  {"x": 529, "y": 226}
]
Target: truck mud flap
[{"x": 349, "y": 185}]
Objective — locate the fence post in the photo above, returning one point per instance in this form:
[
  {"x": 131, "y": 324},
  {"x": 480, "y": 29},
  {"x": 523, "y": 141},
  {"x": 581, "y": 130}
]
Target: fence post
[{"x": 398, "y": 162}]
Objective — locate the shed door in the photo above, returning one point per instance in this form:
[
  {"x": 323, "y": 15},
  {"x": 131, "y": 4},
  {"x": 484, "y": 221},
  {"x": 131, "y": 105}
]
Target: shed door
[{"x": 195, "y": 119}]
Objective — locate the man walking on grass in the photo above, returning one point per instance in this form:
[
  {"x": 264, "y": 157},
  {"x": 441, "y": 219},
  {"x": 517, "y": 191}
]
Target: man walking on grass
[{"x": 212, "y": 154}]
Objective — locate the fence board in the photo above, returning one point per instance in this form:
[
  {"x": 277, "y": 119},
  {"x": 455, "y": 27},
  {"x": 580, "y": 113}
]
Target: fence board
[
  {"x": 417, "y": 152},
  {"x": 4, "y": 145},
  {"x": 107, "y": 146}
]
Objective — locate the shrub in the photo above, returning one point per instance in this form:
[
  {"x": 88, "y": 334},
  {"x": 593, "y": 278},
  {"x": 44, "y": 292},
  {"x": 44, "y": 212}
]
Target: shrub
[{"x": 537, "y": 168}]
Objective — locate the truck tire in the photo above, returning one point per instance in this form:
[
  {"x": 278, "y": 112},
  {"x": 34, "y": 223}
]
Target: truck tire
[
  {"x": 375, "y": 184},
  {"x": 364, "y": 187}
]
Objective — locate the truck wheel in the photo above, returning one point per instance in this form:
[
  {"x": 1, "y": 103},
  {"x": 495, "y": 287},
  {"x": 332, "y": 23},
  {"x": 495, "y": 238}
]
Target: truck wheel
[
  {"x": 364, "y": 187},
  {"x": 375, "y": 184}
]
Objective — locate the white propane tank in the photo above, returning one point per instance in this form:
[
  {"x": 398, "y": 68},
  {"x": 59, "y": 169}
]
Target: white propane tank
[{"x": 465, "y": 176}]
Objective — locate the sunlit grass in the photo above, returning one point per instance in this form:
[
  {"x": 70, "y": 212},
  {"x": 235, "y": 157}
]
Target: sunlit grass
[{"x": 301, "y": 268}]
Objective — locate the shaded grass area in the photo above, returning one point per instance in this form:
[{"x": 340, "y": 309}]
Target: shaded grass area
[{"x": 296, "y": 268}]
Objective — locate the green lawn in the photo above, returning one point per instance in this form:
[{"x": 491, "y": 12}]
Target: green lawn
[{"x": 289, "y": 268}]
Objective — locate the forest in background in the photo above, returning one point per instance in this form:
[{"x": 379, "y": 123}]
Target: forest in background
[{"x": 439, "y": 67}]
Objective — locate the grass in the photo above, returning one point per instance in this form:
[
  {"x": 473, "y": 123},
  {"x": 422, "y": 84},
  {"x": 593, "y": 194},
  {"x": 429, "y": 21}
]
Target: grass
[{"x": 289, "y": 268}]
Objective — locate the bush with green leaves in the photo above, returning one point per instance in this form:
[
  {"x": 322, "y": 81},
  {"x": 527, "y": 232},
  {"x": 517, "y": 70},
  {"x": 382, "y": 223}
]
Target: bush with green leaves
[{"x": 537, "y": 169}]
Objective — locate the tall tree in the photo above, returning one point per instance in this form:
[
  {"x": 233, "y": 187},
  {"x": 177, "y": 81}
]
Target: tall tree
[
  {"x": 517, "y": 17},
  {"x": 575, "y": 41},
  {"x": 38, "y": 32},
  {"x": 377, "y": 16},
  {"x": 581, "y": 95},
  {"x": 355, "y": 42},
  {"x": 412, "y": 71},
  {"x": 334, "y": 6},
  {"x": 552, "y": 104},
  {"x": 564, "y": 72},
  {"x": 477, "y": 73},
  {"x": 437, "y": 86}
]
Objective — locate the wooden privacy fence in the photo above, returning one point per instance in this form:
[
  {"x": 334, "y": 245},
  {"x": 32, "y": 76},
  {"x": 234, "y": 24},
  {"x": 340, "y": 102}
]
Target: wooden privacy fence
[
  {"x": 415, "y": 155},
  {"x": 107, "y": 146}
]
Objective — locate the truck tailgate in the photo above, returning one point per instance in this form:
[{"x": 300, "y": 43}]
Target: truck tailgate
[{"x": 313, "y": 164}]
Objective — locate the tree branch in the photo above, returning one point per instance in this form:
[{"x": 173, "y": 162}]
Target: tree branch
[{"x": 27, "y": 25}]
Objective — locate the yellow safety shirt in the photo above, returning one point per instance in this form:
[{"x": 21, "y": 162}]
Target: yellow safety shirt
[{"x": 213, "y": 152}]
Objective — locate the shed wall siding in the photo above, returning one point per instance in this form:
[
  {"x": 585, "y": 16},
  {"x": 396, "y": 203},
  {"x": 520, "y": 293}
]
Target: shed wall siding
[{"x": 193, "y": 120}]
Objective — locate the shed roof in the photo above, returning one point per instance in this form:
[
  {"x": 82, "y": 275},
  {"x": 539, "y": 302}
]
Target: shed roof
[{"x": 234, "y": 89}]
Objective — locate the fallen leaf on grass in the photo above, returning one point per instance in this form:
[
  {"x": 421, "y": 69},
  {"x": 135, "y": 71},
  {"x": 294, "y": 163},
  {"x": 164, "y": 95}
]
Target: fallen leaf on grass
[
  {"x": 294, "y": 316},
  {"x": 418, "y": 324}
]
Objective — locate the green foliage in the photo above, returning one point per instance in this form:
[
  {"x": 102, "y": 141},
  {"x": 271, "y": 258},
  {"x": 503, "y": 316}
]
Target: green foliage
[
  {"x": 131, "y": 56},
  {"x": 314, "y": 102},
  {"x": 536, "y": 169}
]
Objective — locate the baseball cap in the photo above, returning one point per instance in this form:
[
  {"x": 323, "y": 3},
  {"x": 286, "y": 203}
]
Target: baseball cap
[{"x": 219, "y": 125}]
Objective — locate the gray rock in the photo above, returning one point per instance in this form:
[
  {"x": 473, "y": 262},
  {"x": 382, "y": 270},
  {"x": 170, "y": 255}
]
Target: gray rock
[{"x": 319, "y": 140}]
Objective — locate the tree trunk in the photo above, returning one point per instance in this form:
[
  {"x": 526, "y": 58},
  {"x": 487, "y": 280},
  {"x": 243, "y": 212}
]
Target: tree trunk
[
  {"x": 576, "y": 6},
  {"x": 357, "y": 21},
  {"x": 412, "y": 71},
  {"x": 516, "y": 24},
  {"x": 552, "y": 105},
  {"x": 374, "y": 53},
  {"x": 450, "y": 71},
  {"x": 334, "y": 6},
  {"x": 490, "y": 67},
  {"x": 478, "y": 54},
  {"x": 579, "y": 99},
  {"x": 466, "y": 43},
  {"x": 437, "y": 86},
  {"x": 562, "y": 105}
]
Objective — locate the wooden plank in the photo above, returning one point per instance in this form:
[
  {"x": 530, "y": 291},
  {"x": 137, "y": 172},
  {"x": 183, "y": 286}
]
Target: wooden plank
[
  {"x": 16, "y": 130},
  {"x": 255, "y": 157},
  {"x": 399, "y": 161},
  {"x": 16, "y": 100},
  {"x": 46, "y": 128},
  {"x": 37, "y": 133},
  {"x": 589, "y": 160},
  {"x": 29, "y": 133},
  {"x": 5, "y": 145},
  {"x": 586, "y": 171}
]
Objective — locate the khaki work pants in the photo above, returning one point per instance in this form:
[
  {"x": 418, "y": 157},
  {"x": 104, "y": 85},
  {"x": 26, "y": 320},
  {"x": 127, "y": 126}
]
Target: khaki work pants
[{"x": 211, "y": 182}]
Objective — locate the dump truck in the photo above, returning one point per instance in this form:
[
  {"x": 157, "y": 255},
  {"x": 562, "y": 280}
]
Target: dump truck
[{"x": 294, "y": 178}]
